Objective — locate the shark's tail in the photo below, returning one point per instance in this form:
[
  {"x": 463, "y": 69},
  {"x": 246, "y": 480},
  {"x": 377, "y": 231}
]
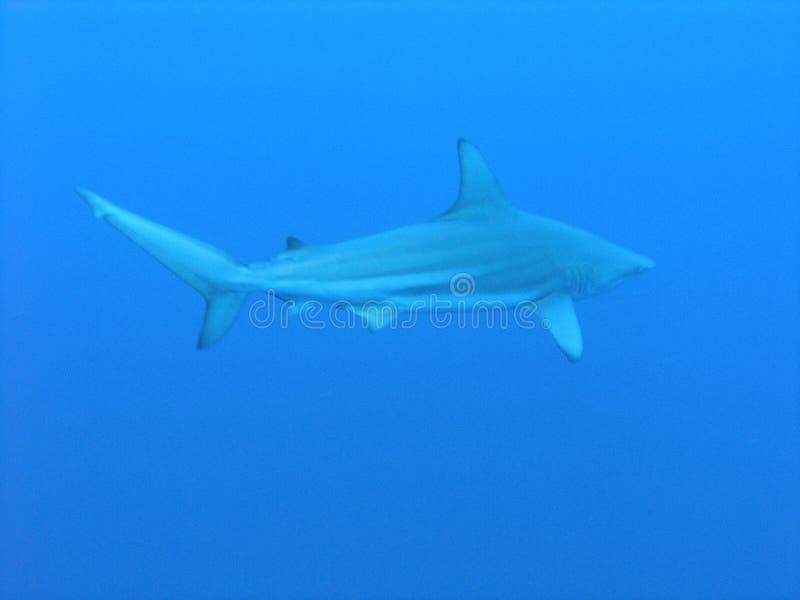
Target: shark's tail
[{"x": 222, "y": 280}]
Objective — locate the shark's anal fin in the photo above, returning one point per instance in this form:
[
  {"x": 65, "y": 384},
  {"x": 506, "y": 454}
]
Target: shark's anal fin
[
  {"x": 557, "y": 315},
  {"x": 479, "y": 194}
]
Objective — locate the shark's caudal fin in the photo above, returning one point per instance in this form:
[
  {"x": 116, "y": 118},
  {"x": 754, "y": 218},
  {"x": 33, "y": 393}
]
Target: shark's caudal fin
[{"x": 221, "y": 279}]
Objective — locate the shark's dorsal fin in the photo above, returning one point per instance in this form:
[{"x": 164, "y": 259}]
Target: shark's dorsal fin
[
  {"x": 296, "y": 249},
  {"x": 557, "y": 314},
  {"x": 480, "y": 193},
  {"x": 293, "y": 243}
]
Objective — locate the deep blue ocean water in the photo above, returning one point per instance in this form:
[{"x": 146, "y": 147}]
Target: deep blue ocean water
[{"x": 455, "y": 463}]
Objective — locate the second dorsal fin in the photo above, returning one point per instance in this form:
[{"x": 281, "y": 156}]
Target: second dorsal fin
[
  {"x": 297, "y": 249},
  {"x": 293, "y": 243}
]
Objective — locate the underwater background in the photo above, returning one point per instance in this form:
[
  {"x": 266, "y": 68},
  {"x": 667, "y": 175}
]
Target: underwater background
[{"x": 422, "y": 463}]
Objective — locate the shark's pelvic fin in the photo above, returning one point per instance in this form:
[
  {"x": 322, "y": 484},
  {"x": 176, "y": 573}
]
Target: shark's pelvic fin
[
  {"x": 221, "y": 279},
  {"x": 557, "y": 314},
  {"x": 480, "y": 194},
  {"x": 375, "y": 317}
]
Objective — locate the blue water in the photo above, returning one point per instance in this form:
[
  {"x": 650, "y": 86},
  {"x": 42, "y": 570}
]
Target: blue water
[{"x": 456, "y": 463}]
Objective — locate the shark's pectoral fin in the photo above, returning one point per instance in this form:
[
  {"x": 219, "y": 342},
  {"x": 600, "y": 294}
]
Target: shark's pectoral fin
[
  {"x": 480, "y": 194},
  {"x": 557, "y": 315}
]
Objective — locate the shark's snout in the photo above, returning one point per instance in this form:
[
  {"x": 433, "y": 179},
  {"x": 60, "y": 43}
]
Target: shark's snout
[
  {"x": 634, "y": 264},
  {"x": 645, "y": 265}
]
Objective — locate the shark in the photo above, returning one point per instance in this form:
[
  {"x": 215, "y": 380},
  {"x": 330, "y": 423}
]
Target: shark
[{"x": 481, "y": 249}]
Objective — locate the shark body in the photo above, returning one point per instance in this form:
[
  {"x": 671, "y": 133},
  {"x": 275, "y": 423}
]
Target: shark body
[{"x": 501, "y": 255}]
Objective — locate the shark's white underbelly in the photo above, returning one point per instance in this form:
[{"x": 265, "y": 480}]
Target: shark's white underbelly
[{"x": 456, "y": 287}]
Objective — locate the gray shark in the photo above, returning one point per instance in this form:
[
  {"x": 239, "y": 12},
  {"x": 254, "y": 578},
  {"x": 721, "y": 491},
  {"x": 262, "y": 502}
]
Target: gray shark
[{"x": 501, "y": 255}]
